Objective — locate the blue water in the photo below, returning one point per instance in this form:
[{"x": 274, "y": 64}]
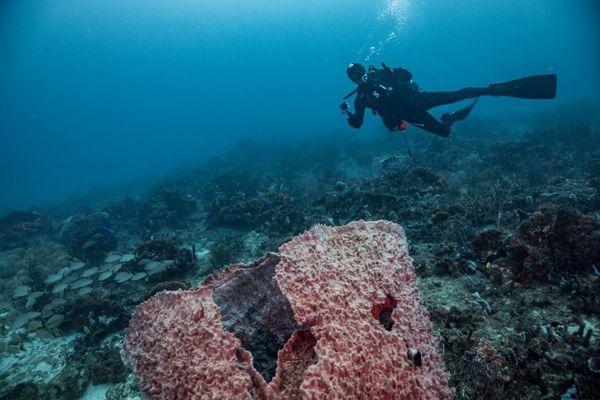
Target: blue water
[{"x": 96, "y": 93}]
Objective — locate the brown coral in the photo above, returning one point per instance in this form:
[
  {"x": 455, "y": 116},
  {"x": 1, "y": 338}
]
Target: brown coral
[{"x": 553, "y": 243}]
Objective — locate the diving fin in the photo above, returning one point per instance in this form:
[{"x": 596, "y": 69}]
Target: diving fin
[
  {"x": 449, "y": 118},
  {"x": 532, "y": 87}
]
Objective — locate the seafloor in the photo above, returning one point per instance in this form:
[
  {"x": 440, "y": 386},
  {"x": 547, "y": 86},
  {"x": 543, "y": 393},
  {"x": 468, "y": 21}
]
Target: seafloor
[{"x": 503, "y": 221}]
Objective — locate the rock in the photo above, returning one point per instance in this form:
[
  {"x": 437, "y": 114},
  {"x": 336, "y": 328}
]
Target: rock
[
  {"x": 31, "y": 372},
  {"x": 129, "y": 390}
]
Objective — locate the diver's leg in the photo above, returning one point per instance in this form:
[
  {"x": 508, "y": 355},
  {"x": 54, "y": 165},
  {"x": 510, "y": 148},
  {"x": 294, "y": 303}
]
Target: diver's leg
[
  {"x": 430, "y": 124},
  {"x": 427, "y": 100}
]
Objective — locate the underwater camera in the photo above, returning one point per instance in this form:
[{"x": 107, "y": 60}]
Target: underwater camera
[{"x": 344, "y": 107}]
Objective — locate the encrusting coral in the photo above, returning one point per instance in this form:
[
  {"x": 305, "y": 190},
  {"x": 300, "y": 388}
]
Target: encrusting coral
[{"x": 342, "y": 307}]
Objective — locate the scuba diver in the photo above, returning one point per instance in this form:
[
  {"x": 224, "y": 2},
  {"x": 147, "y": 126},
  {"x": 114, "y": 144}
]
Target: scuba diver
[{"x": 392, "y": 94}]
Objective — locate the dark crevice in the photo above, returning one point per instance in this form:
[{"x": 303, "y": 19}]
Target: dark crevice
[
  {"x": 257, "y": 313},
  {"x": 383, "y": 312},
  {"x": 298, "y": 356}
]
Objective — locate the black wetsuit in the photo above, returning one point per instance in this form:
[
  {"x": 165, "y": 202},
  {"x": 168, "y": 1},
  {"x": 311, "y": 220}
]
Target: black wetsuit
[{"x": 397, "y": 99}]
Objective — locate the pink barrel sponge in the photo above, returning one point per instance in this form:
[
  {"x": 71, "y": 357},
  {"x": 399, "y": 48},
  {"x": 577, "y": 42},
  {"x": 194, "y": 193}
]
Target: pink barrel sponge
[
  {"x": 176, "y": 345},
  {"x": 341, "y": 303}
]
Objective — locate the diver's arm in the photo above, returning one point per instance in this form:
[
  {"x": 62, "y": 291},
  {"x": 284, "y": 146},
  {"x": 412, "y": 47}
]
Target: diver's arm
[{"x": 356, "y": 120}]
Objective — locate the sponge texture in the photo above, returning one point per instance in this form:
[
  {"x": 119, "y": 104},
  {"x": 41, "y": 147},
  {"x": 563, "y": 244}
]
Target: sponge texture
[{"x": 354, "y": 313}]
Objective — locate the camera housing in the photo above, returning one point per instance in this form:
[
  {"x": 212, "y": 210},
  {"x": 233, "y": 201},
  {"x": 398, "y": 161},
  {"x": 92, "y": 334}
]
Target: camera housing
[{"x": 344, "y": 107}]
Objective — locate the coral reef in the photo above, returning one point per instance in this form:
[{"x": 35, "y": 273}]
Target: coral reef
[
  {"x": 18, "y": 227},
  {"x": 362, "y": 329},
  {"x": 225, "y": 250},
  {"x": 105, "y": 366},
  {"x": 96, "y": 316},
  {"x": 89, "y": 237},
  {"x": 162, "y": 259},
  {"x": 165, "y": 207},
  {"x": 549, "y": 245},
  {"x": 503, "y": 227},
  {"x": 554, "y": 243}
]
